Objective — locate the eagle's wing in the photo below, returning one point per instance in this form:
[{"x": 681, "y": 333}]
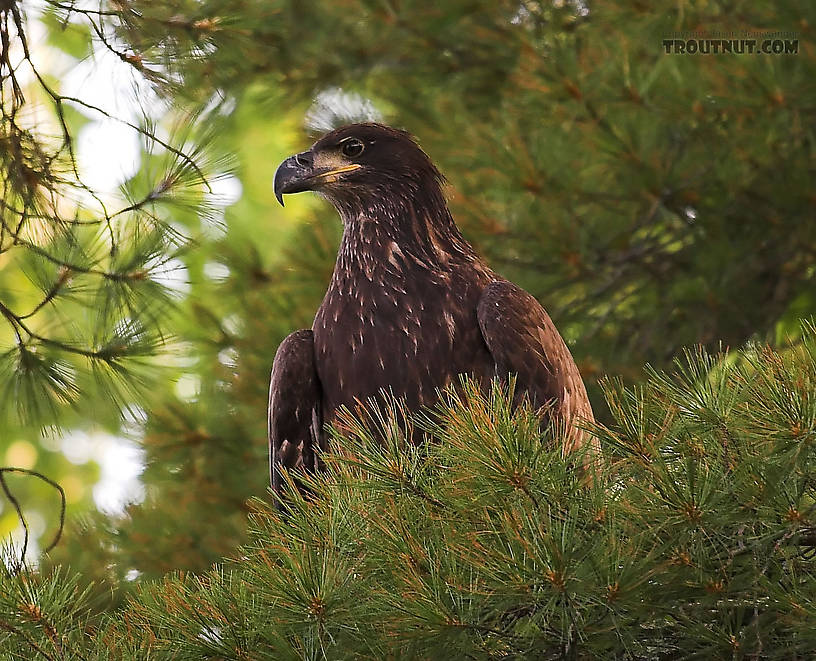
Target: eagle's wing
[
  {"x": 295, "y": 426},
  {"x": 523, "y": 340}
]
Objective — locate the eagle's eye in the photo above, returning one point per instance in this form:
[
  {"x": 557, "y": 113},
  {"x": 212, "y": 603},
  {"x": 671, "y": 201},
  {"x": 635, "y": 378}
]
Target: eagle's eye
[{"x": 352, "y": 147}]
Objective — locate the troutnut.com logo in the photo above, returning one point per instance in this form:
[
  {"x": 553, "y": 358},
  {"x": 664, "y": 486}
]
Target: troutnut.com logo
[{"x": 747, "y": 42}]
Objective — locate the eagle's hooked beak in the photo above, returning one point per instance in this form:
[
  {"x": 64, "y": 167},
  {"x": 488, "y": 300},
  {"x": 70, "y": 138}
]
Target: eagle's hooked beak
[{"x": 299, "y": 173}]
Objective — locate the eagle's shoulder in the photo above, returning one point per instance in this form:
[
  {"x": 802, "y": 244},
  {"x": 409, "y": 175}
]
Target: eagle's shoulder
[
  {"x": 507, "y": 311},
  {"x": 524, "y": 341}
]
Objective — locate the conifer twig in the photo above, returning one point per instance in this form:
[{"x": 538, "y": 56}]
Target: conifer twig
[
  {"x": 21, "y": 634},
  {"x": 19, "y": 510}
]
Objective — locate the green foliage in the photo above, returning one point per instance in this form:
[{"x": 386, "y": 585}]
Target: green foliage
[
  {"x": 87, "y": 307},
  {"x": 692, "y": 536},
  {"x": 650, "y": 201},
  {"x": 42, "y": 617}
]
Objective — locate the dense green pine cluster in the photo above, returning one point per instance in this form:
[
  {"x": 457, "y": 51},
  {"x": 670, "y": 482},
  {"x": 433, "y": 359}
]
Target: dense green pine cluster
[
  {"x": 651, "y": 201},
  {"x": 694, "y": 535}
]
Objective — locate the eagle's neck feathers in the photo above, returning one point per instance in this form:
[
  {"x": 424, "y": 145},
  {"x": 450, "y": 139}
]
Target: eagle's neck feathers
[{"x": 401, "y": 230}]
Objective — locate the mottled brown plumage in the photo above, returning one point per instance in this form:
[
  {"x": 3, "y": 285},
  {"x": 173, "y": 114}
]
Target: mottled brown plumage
[{"x": 410, "y": 305}]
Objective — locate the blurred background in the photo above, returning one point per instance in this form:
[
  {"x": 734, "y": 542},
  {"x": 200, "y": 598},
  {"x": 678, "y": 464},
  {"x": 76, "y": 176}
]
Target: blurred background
[{"x": 650, "y": 200}]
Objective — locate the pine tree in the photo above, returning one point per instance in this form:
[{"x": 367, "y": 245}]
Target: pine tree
[
  {"x": 85, "y": 311},
  {"x": 694, "y": 536},
  {"x": 650, "y": 201}
]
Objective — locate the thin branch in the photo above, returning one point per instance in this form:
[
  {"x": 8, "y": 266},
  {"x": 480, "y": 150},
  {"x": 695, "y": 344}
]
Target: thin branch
[
  {"x": 151, "y": 136},
  {"x": 29, "y": 641},
  {"x": 65, "y": 274},
  {"x": 16, "y": 504}
]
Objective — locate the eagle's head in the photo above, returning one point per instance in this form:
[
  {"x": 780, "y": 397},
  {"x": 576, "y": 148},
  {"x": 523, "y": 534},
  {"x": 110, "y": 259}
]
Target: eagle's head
[{"x": 362, "y": 166}]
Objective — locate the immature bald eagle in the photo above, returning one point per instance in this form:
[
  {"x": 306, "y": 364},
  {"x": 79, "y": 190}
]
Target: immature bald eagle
[{"x": 410, "y": 305}]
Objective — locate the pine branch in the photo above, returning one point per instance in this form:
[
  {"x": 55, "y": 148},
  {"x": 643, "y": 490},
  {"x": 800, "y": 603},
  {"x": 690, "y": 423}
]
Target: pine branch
[
  {"x": 111, "y": 272},
  {"x": 21, "y": 517}
]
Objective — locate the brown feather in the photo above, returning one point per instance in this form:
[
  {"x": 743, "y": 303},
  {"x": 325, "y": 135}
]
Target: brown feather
[
  {"x": 294, "y": 408},
  {"x": 524, "y": 341}
]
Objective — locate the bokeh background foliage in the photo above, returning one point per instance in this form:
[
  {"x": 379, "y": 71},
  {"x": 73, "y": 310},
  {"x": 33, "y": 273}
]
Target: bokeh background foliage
[{"x": 650, "y": 201}]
